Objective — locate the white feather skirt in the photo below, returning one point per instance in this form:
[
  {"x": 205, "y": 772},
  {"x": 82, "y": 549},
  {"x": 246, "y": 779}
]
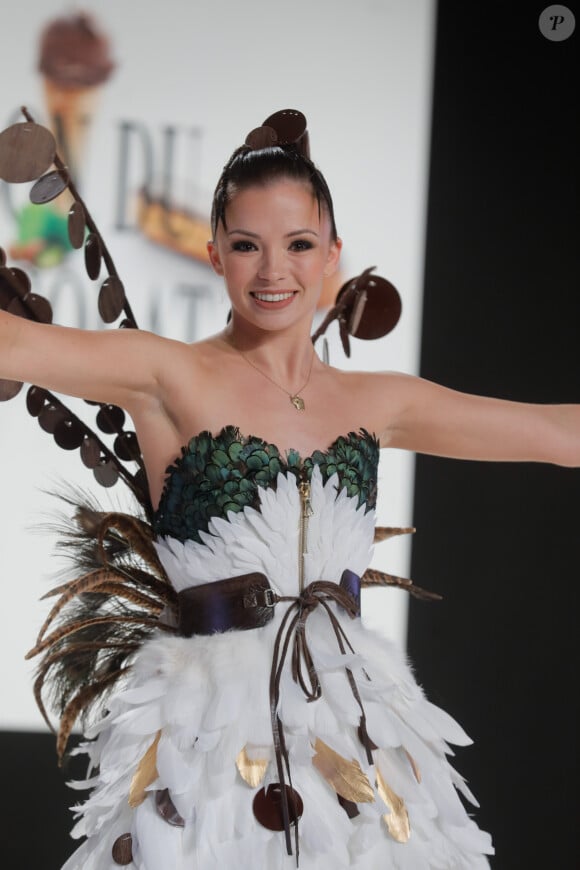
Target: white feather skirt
[{"x": 204, "y": 699}]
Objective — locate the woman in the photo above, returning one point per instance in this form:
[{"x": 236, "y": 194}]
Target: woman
[{"x": 272, "y": 703}]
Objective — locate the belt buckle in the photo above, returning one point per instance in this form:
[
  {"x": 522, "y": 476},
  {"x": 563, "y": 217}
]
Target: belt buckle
[{"x": 253, "y": 598}]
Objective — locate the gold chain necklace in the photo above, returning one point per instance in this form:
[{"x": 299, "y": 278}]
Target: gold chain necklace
[{"x": 295, "y": 398}]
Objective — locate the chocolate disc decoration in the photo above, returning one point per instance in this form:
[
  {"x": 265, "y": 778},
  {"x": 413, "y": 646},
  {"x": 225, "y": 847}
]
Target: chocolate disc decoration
[
  {"x": 267, "y": 806},
  {"x": 39, "y": 307},
  {"x": 166, "y": 809},
  {"x": 141, "y": 481},
  {"x": 261, "y": 137},
  {"x": 111, "y": 299},
  {"x": 90, "y": 452},
  {"x": 127, "y": 447},
  {"x": 375, "y": 309},
  {"x": 26, "y": 151},
  {"x": 35, "y": 399},
  {"x": 48, "y": 187},
  {"x": 93, "y": 256},
  {"x": 110, "y": 419},
  {"x": 69, "y": 434},
  {"x": 17, "y": 307},
  {"x": 9, "y": 389},
  {"x": 19, "y": 281},
  {"x": 76, "y": 225},
  {"x": 50, "y": 416},
  {"x": 290, "y": 126},
  {"x": 6, "y": 291},
  {"x": 106, "y": 473},
  {"x": 2, "y": 257},
  {"x": 122, "y": 850}
]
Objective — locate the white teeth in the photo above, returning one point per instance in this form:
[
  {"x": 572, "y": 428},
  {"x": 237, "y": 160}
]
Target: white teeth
[{"x": 272, "y": 297}]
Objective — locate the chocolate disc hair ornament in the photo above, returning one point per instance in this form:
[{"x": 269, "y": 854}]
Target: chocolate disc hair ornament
[
  {"x": 286, "y": 127},
  {"x": 367, "y": 307}
]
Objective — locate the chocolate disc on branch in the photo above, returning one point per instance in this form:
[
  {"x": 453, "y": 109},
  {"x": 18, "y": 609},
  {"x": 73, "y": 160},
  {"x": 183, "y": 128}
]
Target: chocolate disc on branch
[
  {"x": 90, "y": 452},
  {"x": 93, "y": 256},
  {"x": 111, "y": 299},
  {"x": 48, "y": 187},
  {"x": 127, "y": 447},
  {"x": 35, "y": 399},
  {"x": 76, "y": 225},
  {"x": 69, "y": 434},
  {"x": 9, "y": 389},
  {"x": 106, "y": 473},
  {"x": 110, "y": 419},
  {"x": 17, "y": 280},
  {"x": 26, "y": 152}
]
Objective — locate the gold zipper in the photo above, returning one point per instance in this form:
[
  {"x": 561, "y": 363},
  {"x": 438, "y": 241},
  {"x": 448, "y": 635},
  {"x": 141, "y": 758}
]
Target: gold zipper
[{"x": 305, "y": 513}]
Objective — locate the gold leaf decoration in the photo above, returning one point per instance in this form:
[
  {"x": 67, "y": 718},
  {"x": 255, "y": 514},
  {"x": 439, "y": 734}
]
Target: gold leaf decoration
[
  {"x": 345, "y": 777},
  {"x": 252, "y": 770},
  {"x": 414, "y": 765},
  {"x": 397, "y": 820},
  {"x": 145, "y": 774}
]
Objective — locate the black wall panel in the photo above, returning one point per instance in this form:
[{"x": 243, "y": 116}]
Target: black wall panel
[{"x": 502, "y": 317}]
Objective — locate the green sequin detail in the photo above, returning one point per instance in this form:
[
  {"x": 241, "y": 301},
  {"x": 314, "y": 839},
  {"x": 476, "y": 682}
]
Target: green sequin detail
[{"x": 218, "y": 474}]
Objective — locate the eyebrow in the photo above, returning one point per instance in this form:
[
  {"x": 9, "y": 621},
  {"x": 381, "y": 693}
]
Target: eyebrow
[{"x": 302, "y": 232}]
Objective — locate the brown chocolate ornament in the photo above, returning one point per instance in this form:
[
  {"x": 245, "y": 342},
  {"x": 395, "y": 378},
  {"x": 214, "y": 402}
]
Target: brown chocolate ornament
[
  {"x": 122, "y": 850},
  {"x": 48, "y": 187},
  {"x": 367, "y": 307},
  {"x": 93, "y": 256},
  {"x": 76, "y": 225},
  {"x": 27, "y": 150},
  {"x": 267, "y": 806},
  {"x": 106, "y": 473},
  {"x": 111, "y": 298}
]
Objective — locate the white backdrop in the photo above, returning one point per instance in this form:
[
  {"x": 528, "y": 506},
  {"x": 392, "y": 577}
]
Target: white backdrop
[{"x": 213, "y": 69}]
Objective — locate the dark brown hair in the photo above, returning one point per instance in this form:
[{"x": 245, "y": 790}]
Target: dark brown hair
[{"x": 254, "y": 167}]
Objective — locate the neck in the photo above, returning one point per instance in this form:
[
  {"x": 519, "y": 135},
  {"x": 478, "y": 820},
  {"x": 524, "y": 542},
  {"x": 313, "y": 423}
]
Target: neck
[{"x": 286, "y": 356}]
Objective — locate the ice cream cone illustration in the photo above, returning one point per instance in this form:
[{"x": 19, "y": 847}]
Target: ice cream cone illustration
[{"x": 75, "y": 61}]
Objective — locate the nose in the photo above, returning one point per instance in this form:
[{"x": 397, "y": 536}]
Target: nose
[{"x": 272, "y": 266}]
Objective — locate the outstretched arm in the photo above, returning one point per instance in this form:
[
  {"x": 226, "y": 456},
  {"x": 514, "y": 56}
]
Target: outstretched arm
[
  {"x": 429, "y": 418},
  {"x": 114, "y": 366}
]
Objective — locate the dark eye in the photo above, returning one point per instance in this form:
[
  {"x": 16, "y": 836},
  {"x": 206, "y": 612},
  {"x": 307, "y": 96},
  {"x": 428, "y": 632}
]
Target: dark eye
[
  {"x": 243, "y": 246},
  {"x": 301, "y": 245}
]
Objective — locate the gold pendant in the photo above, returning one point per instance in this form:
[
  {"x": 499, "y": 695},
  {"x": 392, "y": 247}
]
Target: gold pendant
[{"x": 298, "y": 402}]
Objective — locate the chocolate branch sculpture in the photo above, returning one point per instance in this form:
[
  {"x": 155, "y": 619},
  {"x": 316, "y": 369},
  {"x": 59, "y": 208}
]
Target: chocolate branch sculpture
[{"x": 27, "y": 153}]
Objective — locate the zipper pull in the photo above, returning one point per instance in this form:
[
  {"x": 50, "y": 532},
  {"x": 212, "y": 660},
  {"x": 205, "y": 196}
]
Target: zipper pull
[{"x": 305, "y": 498}]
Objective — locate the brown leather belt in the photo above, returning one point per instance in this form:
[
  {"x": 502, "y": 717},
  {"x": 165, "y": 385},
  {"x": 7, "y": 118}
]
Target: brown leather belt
[{"x": 243, "y": 602}]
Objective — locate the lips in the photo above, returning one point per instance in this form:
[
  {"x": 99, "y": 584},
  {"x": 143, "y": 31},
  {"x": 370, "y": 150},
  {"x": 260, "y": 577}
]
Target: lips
[
  {"x": 273, "y": 301},
  {"x": 274, "y": 297}
]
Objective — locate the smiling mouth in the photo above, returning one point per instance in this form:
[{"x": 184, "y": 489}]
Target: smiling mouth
[{"x": 274, "y": 297}]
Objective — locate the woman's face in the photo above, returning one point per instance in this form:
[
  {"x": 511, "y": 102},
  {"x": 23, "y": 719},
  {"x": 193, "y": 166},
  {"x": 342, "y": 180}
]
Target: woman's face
[{"x": 274, "y": 254}]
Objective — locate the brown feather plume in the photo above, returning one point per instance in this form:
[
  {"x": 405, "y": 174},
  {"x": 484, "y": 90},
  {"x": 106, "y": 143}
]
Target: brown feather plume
[
  {"x": 372, "y": 577},
  {"x": 102, "y": 615}
]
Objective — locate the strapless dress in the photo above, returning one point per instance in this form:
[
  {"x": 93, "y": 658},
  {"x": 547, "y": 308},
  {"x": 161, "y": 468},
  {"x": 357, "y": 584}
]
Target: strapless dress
[{"x": 188, "y": 755}]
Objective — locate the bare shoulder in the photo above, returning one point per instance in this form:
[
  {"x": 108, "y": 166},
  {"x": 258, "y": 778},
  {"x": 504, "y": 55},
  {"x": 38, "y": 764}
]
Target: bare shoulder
[{"x": 377, "y": 399}]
